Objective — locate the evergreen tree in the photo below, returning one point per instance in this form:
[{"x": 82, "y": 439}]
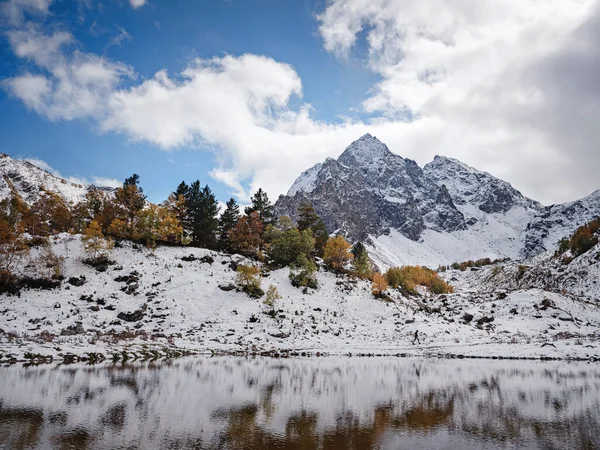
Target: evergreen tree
[
  {"x": 182, "y": 189},
  {"x": 262, "y": 205},
  {"x": 227, "y": 222},
  {"x": 362, "y": 264},
  {"x": 307, "y": 217},
  {"x": 321, "y": 236},
  {"x": 131, "y": 199},
  {"x": 202, "y": 223}
]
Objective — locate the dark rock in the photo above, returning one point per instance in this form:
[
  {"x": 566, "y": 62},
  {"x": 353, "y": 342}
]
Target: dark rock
[
  {"x": 73, "y": 330},
  {"x": 227, "y": 287},
  {"x": 94, "y": 308},
  {"x": 467, "y": 317},
  {"x": 80, "y": 281},
  {"x": 131, "y": 317},
  {"x": 207, "y": 259}
]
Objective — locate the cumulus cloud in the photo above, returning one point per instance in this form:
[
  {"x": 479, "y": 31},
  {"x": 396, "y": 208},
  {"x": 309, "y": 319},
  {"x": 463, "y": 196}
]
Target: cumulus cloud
[
  {"x": 509, "y": 87},
  {"x": 96, "y": 181},
  {"x": 506, "y": 86}
]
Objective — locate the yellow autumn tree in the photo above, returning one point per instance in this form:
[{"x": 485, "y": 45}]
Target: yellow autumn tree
[
  {"x": 379, "y": 285},
  {"x": 94, "y": 243},
  {"x": 337, "y": 252}
]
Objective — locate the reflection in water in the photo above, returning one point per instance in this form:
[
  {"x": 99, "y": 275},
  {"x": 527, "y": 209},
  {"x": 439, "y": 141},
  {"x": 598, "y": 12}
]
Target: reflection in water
[{"x": 326, "y": 403}]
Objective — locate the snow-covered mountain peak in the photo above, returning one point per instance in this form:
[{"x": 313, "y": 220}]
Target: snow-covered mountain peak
[
  {"x": 364, "y": 151},
  {"x": 469, "y": 186}
]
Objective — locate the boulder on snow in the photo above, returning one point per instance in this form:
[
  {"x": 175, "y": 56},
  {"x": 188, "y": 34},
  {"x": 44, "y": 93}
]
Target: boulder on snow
[
  {"x": 73, "y": 330},
  {"x": 467, "y": 317},
  {"x": 131, "y": 317},
  {"x": 77, "y": 281},
  {"x": 227, "y": 287}
]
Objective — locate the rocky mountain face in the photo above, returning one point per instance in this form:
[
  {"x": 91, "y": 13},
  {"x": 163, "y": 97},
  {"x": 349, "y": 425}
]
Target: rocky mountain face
[
  {"x": 554, "y": 222},
  {"x": 369, "y": 190},
  {"x": 31, "y": 182},
  {"x": 471, "y": 187},
  {"x": 445, "y": 212}
]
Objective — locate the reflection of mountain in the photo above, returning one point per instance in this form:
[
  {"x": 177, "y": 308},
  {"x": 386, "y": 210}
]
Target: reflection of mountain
[{"x": 329, "y": 403}]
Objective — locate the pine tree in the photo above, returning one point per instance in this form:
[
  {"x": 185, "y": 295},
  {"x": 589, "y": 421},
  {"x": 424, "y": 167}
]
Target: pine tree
[
  {"x": 321, "y": 236},
  {"x": 227, "y": 222},
  {"x": 362, "y": 264},
  {"x": 307, "y": 217},
  {"x": 132, "y": 200},
  {"x": 262, "y": 205}
]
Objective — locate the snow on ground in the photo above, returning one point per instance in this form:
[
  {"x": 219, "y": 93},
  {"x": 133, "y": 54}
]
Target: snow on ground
[{"x": 183, "y": 306}]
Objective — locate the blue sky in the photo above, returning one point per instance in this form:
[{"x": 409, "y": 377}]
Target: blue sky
[
  {"x": 167, "y": 35},
  {"x": 249, "y": 93}
]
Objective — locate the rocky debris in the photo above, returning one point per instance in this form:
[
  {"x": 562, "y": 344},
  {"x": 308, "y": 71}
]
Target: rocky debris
[
  {"x": 467, "y": 317},
  {"x": 77, "y": 281},
  {"x": 133, "y": 277},
  {"x": 227, "y": 287},
  {"x": 73, "y": 330},
  {"x": 279, "y": 334}
]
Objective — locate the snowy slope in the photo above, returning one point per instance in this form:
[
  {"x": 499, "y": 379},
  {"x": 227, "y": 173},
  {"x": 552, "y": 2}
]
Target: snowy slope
[
  {"x": 181, "y": 304},
  {"x": 30, "y": 182}
]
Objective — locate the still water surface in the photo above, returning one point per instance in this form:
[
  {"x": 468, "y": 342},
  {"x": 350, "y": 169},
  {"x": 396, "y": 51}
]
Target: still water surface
[{"x": 326, "y": 403}]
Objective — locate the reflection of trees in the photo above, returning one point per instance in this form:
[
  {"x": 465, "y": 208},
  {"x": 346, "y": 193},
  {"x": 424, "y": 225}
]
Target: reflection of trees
[
  {"x": 495, "y": 407},
  {"x": 20, "y": 427}
]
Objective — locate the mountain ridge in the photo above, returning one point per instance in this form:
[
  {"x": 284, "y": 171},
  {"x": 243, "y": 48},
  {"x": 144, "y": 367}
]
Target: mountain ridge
[{"x": 429, "y": 215}]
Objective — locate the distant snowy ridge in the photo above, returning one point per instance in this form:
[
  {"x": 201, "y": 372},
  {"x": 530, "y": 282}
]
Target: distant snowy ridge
[{"x": 31, "y": 182}]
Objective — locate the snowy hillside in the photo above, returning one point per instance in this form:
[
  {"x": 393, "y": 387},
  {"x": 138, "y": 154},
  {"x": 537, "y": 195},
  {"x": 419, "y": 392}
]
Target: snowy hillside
[
  {"x": 159, "y": 300},
  {"x": 31, "y": 182}
]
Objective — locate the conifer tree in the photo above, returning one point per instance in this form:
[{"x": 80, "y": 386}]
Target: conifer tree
[
  {"x": 262, "y": 205},
  {"x": 202, "y": 209},
  {"x": 227, "y": 222},
  {"x": 362, "y": 264},
  {"x": 131, "y": 199},
  {"x": 307, "y": 217}
]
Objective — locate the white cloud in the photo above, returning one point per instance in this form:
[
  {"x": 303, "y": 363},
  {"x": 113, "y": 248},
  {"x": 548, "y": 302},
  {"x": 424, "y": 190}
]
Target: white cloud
[
  {"x": 72, "y": 84},
  {"x": 137, "y": 3},
  {"x": 473, "y": 74},
  {"x": 14, "y": 11},
  {"x": 485, "y": 82},
  {"x": 96, "y": 181}
]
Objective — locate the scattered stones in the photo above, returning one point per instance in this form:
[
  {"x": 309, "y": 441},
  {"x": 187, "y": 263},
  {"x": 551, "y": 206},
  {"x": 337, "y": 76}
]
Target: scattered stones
[{"x": 73, "y": 330}]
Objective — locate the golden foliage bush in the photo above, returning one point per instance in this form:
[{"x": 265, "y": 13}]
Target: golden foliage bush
[{"x": 407, "y": 277}]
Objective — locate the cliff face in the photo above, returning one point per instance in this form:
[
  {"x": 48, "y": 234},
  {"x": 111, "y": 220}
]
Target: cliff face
[{"x": 369, "y": 190}]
